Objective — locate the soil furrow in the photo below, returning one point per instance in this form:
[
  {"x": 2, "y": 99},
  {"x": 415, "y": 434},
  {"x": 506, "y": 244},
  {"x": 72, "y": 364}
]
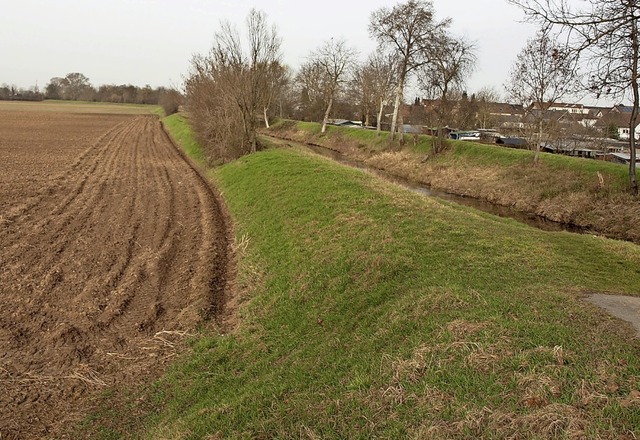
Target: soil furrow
[
  {"x": 47, "y": 218},
  {"x": 127, "y": 241}
]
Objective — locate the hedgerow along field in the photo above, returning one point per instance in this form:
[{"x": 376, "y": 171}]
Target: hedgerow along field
[
  {"x": 113, "y": 252},
  {"x": 367, "y": 311}
]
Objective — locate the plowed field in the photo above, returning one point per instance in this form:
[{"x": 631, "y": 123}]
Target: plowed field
[{"x": 112, "y": 249}]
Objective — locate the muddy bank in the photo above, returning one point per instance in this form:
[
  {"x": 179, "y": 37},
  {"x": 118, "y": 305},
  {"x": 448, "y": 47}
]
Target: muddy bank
[{"x": 596, "y": 203}]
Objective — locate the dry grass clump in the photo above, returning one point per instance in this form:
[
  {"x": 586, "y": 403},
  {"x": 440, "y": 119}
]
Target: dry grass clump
[
  {"x": 555, "y": 356},
  {"x": 437, "y": 356},
  {"x": 589, "y": 395},
  {"x": 538, "y": 390},
  {"x": 436, "y": 430},
  {"x": 403, "y": 163},
  {"x": 461, "y": 328},
  {"x": 555, "y": 421},
  {"x": 483, "y": 360},
  {"x": 552, "y": 421},
  {"x": 414, "y": 368}
]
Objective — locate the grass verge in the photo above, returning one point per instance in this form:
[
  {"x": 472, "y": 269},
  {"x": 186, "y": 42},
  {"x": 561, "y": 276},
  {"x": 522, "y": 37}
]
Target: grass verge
[
  {"x": 180, "y": 130},
  {"x": 368, "y": 311}
]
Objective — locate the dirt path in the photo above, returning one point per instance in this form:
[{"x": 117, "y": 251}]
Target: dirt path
[{"x": 102, "y": 272}]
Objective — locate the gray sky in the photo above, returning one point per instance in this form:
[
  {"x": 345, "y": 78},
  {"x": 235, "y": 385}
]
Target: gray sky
[{"x": 151, "y": 41}]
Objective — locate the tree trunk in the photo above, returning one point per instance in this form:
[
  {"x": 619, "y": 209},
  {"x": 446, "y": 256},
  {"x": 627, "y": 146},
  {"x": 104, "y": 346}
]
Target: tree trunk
[
  {"x": 401, "y": 128},
  {"x": 379, "y": 122},
  {"x": 536, "y": 156},
  {"x": 326, "y": 116},
  {"x": 266, "y": 119},
  {"x": 633, "y": 182},
  {"x": 252, "y": 134},
  {"x": 441, "y": 113},
  {"x": 396, "y": 107}
]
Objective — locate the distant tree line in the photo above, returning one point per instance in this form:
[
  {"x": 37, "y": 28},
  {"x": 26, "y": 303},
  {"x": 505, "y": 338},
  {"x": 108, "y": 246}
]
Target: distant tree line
[
  {"x": 76, "y": 86},
  {"x": 13, "y": 93}
]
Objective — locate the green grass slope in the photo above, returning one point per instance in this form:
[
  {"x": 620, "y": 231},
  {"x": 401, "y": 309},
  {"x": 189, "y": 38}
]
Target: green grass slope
[
  {"x": 177, "y": 125},
  {"x": 367, "y": 311},
  {"x": 589, "y": 193}
]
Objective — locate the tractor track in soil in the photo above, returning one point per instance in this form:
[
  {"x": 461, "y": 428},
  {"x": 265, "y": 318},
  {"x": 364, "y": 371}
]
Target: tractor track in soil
[{"x": 103, "y": 271}]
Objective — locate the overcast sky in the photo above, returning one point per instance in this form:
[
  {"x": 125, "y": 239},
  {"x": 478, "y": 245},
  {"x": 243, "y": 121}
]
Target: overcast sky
[{"x": 151, "y": 41}]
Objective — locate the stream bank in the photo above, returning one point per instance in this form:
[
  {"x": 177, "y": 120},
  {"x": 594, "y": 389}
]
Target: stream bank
[{"x": 559, "y": 193}]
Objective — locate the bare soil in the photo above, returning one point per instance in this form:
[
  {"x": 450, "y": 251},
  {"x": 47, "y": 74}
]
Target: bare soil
[{"x": 113, "y": 249}]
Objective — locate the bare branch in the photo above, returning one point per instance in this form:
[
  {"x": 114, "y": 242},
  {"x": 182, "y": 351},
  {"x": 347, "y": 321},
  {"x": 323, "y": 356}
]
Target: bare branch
[{"x": 604, "y": 35}]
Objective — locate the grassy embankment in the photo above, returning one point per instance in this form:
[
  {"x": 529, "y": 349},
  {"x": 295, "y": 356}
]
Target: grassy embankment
[
  {"x": 179, "y": 129},
  {"x": 368, "y": 311},
  {"x": 588, "y": 193}
]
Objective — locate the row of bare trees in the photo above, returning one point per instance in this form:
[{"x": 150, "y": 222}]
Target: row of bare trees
[
  {"x": 239, "y": 80},
  {"x": 11, "y": 92},
  {"x": 423, "y": 47},
  {"x": 411, "y": 43}
]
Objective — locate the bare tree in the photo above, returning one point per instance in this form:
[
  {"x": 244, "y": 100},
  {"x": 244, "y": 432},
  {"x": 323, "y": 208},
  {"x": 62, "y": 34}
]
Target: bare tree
[
  {"x": 277, "y": 80},
  {"x": 375, "y": 81},
  {"x": 543, "y": 73},
  {"x": 604, "y": 34},
  {"x": 170, "y": 101},
  {"x": 55, "y": 88},
  {"x": 405, "y": 29},
  {"x": 310, "y": 82},
  {"x": 383, "y": 68},
  {"x": 229, "y": 87},
  {"x": 451, "y": 61},
  {"x": 213, "y": 114},
  {"x": 485, "y": 97},
  {"x": 73, "y": 86},
  {"x": 333, "y": 61},
  {"x": 361, "y": 91}
]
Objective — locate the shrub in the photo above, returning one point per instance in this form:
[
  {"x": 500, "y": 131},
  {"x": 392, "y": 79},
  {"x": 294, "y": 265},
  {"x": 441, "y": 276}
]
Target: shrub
[{"x": 171, "y": 101}]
